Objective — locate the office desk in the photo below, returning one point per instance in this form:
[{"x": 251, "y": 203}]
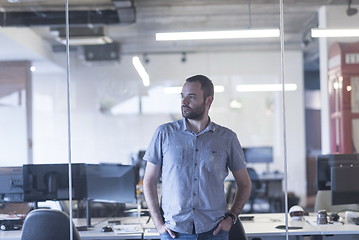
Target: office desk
[
  {"x": 95, "y": 232},
  {"x": 263, "y": 227},
  {"x": 92, "y": 234}
]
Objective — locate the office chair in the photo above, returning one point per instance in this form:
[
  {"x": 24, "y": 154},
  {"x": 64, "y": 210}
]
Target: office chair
[
  {"x": 45, "y": 224},
  {"x": 237, "y": 232},
  {"x": 256, "y": 185}
]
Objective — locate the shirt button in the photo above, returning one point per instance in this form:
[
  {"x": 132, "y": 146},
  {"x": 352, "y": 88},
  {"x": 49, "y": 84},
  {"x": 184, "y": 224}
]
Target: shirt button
[
  {"x": 195, "y": 179},
  {"x": 196, "y": 150},
  {"x": 193, "y": 208},
  {"x": 194, "y": 194}
]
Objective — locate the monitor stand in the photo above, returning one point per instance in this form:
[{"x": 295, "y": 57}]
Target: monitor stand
[
  {"x": 268, "y": 165},
  {"x": 88, "y": 213},
  {"x": 267, "y": 171}
]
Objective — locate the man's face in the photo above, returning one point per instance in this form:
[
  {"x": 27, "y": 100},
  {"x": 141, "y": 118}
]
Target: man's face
[{"x": 193, "y": 102}]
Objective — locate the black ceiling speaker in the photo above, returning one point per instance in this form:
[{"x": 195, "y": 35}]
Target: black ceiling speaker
[{"x": 105, "y": 52}]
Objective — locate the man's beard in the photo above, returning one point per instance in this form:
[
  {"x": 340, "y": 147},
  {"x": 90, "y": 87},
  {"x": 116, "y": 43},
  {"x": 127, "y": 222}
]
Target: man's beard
[{"x": 194, "y": 113}]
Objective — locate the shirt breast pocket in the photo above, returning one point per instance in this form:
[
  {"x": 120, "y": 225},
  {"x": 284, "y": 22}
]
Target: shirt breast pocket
[
  {"x": 217, "y": 159},
  {"x": 176, "y": 154}
]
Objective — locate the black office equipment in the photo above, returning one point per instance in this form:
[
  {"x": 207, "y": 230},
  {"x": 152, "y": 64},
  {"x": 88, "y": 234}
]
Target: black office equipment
[
  {"x": 111, "y": 183},
  {"x": 50, "y": 182},
  {"x": 324, "y": 164},
  {"x": 355, "y": 220},
  {"x": 258, "y": 154},
  {"x": 246, "y": 218},
  {"x": 345, "y": 187},
  {"x": 289, "y": 227},
  {"x": 106, "y": 229},
  {"x": 114, "y": 183},
  {"x": 263, "y": 154},
  {"x": 11, "y": 184},
  {"x": 339, "y": 173}
]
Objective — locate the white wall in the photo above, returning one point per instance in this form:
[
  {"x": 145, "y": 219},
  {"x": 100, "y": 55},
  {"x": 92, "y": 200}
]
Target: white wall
[{"x": 13, "y": 145}]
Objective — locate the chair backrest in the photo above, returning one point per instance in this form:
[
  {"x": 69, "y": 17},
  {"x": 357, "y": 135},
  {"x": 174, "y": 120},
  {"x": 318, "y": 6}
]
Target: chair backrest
[
  {"x": 253, "y": 175},
  {"x": 237, "y": 232},
  {"x": 256, "y": 183},
  {"x": 48, "y": 224}
]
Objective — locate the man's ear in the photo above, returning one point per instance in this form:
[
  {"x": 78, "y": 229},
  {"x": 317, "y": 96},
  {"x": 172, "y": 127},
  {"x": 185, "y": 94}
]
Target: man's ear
[{"x": 209, "y": 101}]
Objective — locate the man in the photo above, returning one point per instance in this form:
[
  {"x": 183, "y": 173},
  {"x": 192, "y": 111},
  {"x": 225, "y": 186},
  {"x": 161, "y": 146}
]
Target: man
[{"x": 192, "y": 155}]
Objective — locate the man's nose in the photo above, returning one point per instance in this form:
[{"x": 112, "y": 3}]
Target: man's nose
[{"x": 185, "y": 100}]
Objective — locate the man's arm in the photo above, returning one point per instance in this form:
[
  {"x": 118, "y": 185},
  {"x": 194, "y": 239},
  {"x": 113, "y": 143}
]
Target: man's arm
[
  {"x": 244, "y": 187},
  {"x": 150, "y": 179}
]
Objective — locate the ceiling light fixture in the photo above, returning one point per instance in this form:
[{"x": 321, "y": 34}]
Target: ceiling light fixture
[
  {"x": 235, "y": 104},
  {"x": 266, "y": 87},
  {"x": 323, "y": 32},
  {"x": 206, "y": 35},
  {"x": 141, "y": 71},
  {"x": 88, "y": 40}
]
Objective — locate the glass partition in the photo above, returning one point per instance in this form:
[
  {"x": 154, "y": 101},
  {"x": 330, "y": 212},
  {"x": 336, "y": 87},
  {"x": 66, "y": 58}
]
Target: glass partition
[
  {"x": 30, "y": 89},
  {"x": 114, "y": 110},
  {"x": 328, "y": 81}
]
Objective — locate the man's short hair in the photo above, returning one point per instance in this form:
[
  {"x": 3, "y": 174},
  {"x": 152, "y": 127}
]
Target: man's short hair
[{"x": 206, "y": 84}]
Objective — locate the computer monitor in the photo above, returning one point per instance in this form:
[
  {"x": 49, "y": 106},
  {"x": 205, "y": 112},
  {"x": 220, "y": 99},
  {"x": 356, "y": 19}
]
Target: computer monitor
[
  {"x": 324, "y": 164},
  {"x": 51, "y": 182},
  {"x": 258, "y": 154},
  {"x": 111, "y": 183},
  {"x": 345, "y": 187},
  {"x": 11, "y": 184},
  {"x": 114, "y": 183}
]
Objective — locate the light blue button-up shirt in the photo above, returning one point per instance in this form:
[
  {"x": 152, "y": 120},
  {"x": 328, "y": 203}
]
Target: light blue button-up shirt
[{"x": 194, "y": 167}]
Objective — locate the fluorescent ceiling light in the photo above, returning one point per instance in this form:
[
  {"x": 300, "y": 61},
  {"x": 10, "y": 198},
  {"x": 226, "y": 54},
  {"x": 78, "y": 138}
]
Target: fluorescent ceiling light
[
  {"x": 322, "y": 32},
  {"x": 235, "y": 104},
  {"x": 86, "y": 40},
  {"x": 248, "y": 33},
  {"x": 266, "y": 87},
  {"x": 219, "y": 88},
  {"x": 178, "y": 90},
  {"x": 141, "y": 71}
]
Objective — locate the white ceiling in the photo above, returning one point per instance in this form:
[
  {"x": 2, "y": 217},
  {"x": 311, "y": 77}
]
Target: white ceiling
[{"x": 182, "y": 15}]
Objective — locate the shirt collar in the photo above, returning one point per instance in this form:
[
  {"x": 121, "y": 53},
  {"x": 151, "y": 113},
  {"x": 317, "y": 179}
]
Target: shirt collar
[{"x": 210, "y": 127}]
